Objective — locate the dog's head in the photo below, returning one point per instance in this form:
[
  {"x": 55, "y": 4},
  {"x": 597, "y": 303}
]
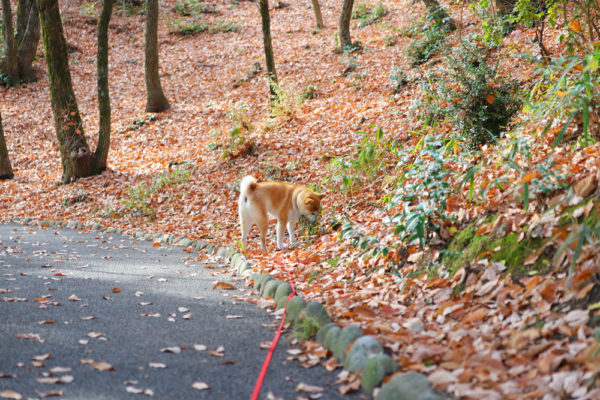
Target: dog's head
[{"x": 309, "y": 204}]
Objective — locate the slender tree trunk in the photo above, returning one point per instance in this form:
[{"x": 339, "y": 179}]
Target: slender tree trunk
[
  {"x": 435, "y": 8},
  {"x": 318, "y": 16},
  {"x": 6, "y": 171},
  {"x": 344, "y": 28},
  {"x": 101, "y": 154},
  {"x": 263, "y": 7},
  {"x": 11, "y": 67},
  {"x": 28, "y": 37},
  {"x": 156, "y": 100},
  {"x": 76, "y": 158}
]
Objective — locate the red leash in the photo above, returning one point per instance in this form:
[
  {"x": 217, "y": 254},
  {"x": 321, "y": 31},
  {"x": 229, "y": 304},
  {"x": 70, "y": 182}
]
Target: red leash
[{"x": 265, "y": 366}]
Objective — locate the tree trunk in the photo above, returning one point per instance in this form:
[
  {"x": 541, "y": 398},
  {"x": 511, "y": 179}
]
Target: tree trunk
[
  {"x": 11, "y": 67},
  {"x": 101, "y": 154},
  {"x": 318, "y": 16},
  {"x": 436, "y": 9},
  {"x": 263, "y": 7},
  {"x": 76, "y": 157},
  {"x": 156, "y": 100},
  {"x": 344, "y": 28},
  {"x": 5, "y": 168},
  {"x": 28, "y": 37}
]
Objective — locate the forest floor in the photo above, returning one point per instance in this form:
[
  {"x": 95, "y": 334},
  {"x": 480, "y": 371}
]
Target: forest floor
[{"x": 476, "y": 329}]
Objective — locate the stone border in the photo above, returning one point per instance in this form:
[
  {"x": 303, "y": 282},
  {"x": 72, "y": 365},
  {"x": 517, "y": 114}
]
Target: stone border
[{"x": 356, "y": 351}]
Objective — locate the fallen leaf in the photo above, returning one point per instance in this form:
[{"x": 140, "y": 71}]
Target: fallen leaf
[
  {"x": 42, "y": 357},
  {"x": 200, "y": 385},
  {"x": 234, "y": 317},
  {"x": 46, "y": 322},
  {"x": 52, "y": 393},
  {"x": 157, "y": 365},
  {"x": 102, "y": 366},
  {"x": 200, "y": 347},
  {"x": 73, "y": 297},
  {"x": 173, "y": 349},
  {"x": 224, "y": 286},
  {"x": 218, "y": 352},
  {"x": 183, "y": 309},
  {"x": 11, "y": 394},
  {"x": 116, "y": 290},
  {"x": 303, "y": 387}
]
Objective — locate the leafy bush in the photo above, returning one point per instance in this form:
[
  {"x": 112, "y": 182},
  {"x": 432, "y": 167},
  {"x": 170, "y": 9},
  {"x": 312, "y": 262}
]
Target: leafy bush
[
  {"x": 368, "y": 14},
  {"x": 193, "y": 7},
  {"x": 368, "y": 162},
  {"x": 471, "y": 95},
  {"x": 235, "y": 142},
  {"x": 422, "y": 193},
  {"x": 192, "y": 26},
  {"x": 568, "y": 95},
  {"x": 140, "y": 196},
  {"x": 429, "y": 33}
]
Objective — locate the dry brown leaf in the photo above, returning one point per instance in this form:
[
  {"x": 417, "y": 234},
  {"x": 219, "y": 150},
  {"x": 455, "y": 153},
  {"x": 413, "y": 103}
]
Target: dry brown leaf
[
  {"x": 11, "y": 394},
  {"x": 304, "y": 387},
  {"x": 102, "y": 366},
  {"x": 224, "y": 286},
  {"x": 200, "y": 385}
]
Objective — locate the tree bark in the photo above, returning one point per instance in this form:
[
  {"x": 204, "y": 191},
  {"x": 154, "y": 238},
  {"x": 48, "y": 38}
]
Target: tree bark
[
  {"x": 344, "y": 25},
  {"x": 318, "y": 15},
  {"x": 28, "y": 37},
  {"x": 156, "y": 100},
  {"x": 76, "y": 157},
  {"x": 11, "y": 67},
  {"x": 263, "y": 7},
  {"x": 6, "y": 171},
  {"x": 101, "y": 154},
  {"x": 435, "y": 8}
]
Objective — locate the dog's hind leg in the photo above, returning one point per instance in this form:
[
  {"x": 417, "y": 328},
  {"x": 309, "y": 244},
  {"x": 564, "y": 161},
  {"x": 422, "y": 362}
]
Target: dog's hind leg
[{"x": 263, "y": 224}]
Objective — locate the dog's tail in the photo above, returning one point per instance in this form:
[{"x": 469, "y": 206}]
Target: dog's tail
[{"x": 247, "y": 185}]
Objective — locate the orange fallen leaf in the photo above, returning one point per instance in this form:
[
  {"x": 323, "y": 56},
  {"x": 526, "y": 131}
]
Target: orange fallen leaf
[
  {"x": 102, "y": 366},
  {"x": 116, "y": 290},
  {"x": 224, "y": 286}
]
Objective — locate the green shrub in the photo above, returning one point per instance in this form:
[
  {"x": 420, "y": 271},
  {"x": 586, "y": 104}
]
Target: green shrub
[
  {"x": 470, "y": 94},
  {"x": 191, "y": 26},
  {"x": 193, "y": 7},
  {"x": 368, "y": 14},
  {"x": 421, "y": 196},
  {"x": 568, "y": 95},
  {"x": 429, "y": 33}
]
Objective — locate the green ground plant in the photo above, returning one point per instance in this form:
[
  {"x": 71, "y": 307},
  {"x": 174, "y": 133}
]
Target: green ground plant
[
  {"x": 193, "y": 7},
  {"x": 471, "y": 95},
  {"x": 191, "y": 26},
  {"x": 429, "y": 37},
  {"x": 368, "y": 14},
  {"x": 372, "y": 158},
  {"x": 139, "y": 197},
  {"x": 236, "y": 141}
]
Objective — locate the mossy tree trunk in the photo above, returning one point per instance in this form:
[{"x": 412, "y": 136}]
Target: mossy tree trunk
[
  {"x": 344, "y": 25},
  {"x": 77, "y": 160},
  {"x": 436, "y": 9},
  {"x": 28, "y": 37},
  {"x": 11, "y": 67},
  {"x": 263, "y": 7},
  {"x": 101, "y": 154},
  {"x": 318, "y": 15},
  {"x": 156, "y": 100},
  {"x": 6, "y": 171}
]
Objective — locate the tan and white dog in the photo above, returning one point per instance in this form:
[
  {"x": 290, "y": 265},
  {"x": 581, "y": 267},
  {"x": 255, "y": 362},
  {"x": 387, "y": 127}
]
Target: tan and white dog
[{"x": 284, "y": 201}]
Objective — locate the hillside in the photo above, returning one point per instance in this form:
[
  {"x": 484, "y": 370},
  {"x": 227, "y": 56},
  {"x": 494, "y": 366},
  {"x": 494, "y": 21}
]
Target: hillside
[{"x": 474, "y": 261}]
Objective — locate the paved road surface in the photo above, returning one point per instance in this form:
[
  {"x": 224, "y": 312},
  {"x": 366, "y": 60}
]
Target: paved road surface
[{"x": 73, "y": 303}]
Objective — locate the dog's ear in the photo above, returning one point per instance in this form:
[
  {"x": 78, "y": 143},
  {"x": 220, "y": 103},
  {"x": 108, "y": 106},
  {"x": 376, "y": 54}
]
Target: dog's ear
[{"x": 321, "y": 195}]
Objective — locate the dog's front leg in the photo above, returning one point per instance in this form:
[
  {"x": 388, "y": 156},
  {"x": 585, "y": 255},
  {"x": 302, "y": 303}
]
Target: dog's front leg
[
  {"x": 280, "y": 232},
  {"x": 291, "y": 226}
]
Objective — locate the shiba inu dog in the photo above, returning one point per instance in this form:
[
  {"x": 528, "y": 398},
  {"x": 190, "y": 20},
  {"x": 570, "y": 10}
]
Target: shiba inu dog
[{"x": 284, "y": 201}]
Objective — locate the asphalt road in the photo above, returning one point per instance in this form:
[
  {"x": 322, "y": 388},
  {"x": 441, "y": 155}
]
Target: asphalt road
[{"x": 88, "y": 315}]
